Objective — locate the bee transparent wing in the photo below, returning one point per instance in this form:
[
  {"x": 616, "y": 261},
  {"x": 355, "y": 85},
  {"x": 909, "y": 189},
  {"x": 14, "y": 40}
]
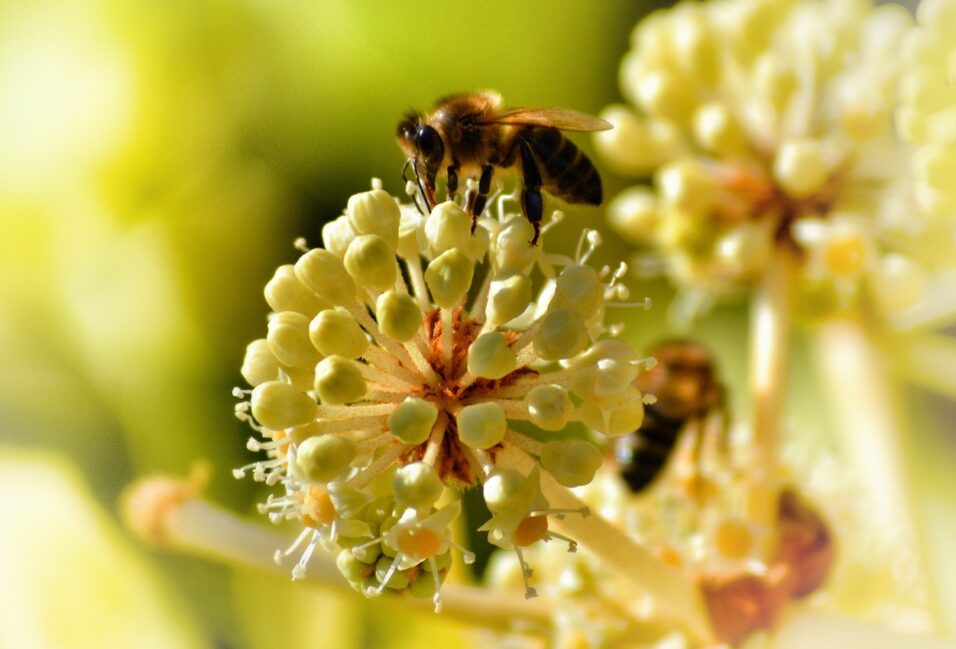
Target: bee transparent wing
[{"x": 560, "y": 118}]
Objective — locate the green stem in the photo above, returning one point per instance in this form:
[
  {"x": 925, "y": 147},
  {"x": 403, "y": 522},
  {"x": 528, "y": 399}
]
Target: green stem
[
  {"x": 868, "y": 427},
  {"x": 770, "y": 323},
  {"x": 198, "y": 527}
]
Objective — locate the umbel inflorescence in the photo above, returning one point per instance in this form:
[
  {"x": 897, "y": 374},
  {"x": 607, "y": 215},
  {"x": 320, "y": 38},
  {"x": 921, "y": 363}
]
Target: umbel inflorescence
[
  {"x": 767, "y": 127},
  {"x": 400, "y": 362}
]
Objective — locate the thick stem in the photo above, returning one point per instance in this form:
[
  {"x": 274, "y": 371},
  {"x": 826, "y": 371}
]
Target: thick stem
[
  {"x": 676, "y": 598},
  {"x": 868, "y": 428},
  {"x": 198, "y": 527},
  {"x": 770, "y": 317}
]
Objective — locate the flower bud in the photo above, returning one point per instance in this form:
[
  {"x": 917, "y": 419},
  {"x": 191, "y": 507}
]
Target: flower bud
[
  {"x": 351, "y": 568},
  {"x": 337, "y": 333},
  {"x": 508, "y": 297},
  {"x": 284, "y": 292},
  {"x": 371, "y": 262},
  {"x": 481, "y": 425},
  {"x": 744, "y": 251},
  {"x": 398, "y": 581},
  {"x": 337, "y": 235},
  {"x": 259, "y": 365},
  {"x": 324, "y": 273},
  {"x": 288, "y": 339},
  {"x": 375, "y": 212},
  {"x": 324, "y": 457},
  {"x": 716, "y": 129},
  {"x": 572, "y": 462},
  {"x": 448, "y": 277},
  {"x": 633, "y": 214},
  {"x": 666, "y": 96},
  {"x": 506, "y": 491},
  {"x": 549, "y": 407},
  {"x": 417, "y": 485},
  {"x": 490, "y": 357},
  {"x": 773, "y": 81},
  {"x": 620, "y": 418},
  {"x": 277, "y": 405},
  {"x": 800, "y": 167},
  {"x": 635, "y": 146},
  {"x": 686, "y": 186},
  {"x": 447, "y": 227},
  {"x": 579, "y": 288},
  {"x": 605, "y": 370},
  {"x": 409, "y": 230},
  {"x": 899, "y": 282},
  {"x": 398, "y": 315},
  {"x": 562, "y": 335},
  {"x": 694, "y": 47},
  {"x": 478, "y": 244},
  {"x": 338, "y": 381},
  {"x": 412, "y": 420},
  {"x": 513, "y": 249}
]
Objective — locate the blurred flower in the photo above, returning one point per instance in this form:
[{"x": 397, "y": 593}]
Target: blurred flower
[
  {"x": 382, "y": 383},
  {"x": 70, "y": 578},
  {"x": 767, "y": 127}
]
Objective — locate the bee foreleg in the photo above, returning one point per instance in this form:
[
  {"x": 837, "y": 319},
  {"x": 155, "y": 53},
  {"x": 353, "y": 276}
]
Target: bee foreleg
[
  {"x": 452, "y": 181},
  {"x": 531, "y": 202},
  {"x": 476, "y": 203}
]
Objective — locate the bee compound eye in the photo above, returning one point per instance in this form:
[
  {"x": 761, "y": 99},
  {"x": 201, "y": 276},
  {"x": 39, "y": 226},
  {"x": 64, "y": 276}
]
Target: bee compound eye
[{"x": 429, "y": 142}]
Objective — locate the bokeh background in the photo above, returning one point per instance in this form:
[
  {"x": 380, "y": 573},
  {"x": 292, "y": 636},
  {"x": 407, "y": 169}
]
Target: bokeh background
[{"x": 157, "y": 159}]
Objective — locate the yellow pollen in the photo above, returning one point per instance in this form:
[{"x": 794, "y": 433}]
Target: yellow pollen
[
  {"x": 699, "y": 488},
  {"x": 670, "y": 556},
  {"x": 845, "y": 256},
  {"x": 531, "y": 530},
  {"x": 418, "y": 543},
  {"x": 733, "y": 539},
  {"x": 320, "y": 507}
]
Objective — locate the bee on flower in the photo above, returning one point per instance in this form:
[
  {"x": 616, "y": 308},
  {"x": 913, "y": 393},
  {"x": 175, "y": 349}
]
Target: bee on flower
[{"x": 405, "y": 350}]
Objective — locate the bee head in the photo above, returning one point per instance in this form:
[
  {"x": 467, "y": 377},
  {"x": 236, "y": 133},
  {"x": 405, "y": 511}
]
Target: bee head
[{"x": 420, "y": 141}]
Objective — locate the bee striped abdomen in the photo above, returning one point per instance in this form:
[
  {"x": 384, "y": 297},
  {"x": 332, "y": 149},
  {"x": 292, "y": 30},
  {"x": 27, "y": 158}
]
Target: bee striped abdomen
[
  {"x": 566, "y": 172},
  {"x": 643, "y": 455},
  {"x": 686, "y": 388}
]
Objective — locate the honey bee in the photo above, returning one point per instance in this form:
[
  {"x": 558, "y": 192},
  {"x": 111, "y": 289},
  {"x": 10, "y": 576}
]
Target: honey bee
[
  {"x": 471, "y": 134},
  {"x": 685, "y": 383}
]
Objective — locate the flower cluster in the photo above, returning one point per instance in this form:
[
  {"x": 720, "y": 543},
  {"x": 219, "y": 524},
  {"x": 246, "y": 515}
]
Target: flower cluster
[
  {"x": 401, "y": 360},
  {"x": 767, "y": 126},
  {"x": 706, "y": 516},
  {"x": 927, "y": 116}
]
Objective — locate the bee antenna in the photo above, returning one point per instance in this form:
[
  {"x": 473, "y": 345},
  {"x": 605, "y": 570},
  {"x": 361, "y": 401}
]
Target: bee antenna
[{"x": 406, "y": 179}]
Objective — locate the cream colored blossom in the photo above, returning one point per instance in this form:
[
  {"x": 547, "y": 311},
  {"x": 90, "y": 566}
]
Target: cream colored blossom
[
  {"x": 408, "y": 348},
  {"x": 759, "y": 121}
]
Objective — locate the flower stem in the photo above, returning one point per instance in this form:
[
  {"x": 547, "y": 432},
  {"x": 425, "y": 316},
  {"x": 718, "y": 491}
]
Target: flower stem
[
  {"x": 770, "y": 322},
  {"x": 676, "y": 598},
  {"x": 868, "y": 427},
  {"x": 198, "y": 527}
]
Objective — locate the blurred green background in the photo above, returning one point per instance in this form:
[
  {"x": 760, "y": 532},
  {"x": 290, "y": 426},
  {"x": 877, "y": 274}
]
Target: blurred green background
[{"x": 157, "y": 159}]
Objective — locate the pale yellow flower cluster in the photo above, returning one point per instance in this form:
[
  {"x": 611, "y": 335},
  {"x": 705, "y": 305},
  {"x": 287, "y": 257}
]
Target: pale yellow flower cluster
[
  {"x": 767, "y": 126},
  {"x": 404, "y": 359}
]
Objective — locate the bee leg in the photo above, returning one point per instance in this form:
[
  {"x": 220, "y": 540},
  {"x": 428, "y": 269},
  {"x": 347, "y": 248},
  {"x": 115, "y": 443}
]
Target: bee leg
[
  {"x": 476, "y": 202},
  {"x": 531, "y": 202},
  {"x": 452, "y": 181}
]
